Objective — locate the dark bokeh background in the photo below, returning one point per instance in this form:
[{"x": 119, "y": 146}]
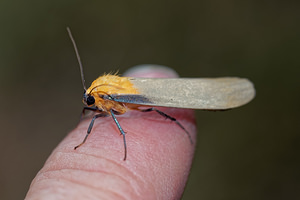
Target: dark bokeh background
[{"x": 247, "y": 153}]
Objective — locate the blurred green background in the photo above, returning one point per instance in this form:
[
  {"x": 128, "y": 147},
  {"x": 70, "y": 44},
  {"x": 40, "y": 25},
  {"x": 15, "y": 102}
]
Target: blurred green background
[{"x": 247, "y": 153}]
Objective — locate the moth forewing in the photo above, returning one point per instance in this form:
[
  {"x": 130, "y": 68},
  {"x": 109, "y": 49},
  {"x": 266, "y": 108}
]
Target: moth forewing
[{"x": 194, "y": 93}]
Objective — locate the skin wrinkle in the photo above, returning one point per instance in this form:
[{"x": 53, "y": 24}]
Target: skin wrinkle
[
  {"x": 138, "y": 181},
  {"x": 130, "y": 173},
  {"x": 69, "y": 181},
  {"x": 44, "y": 173},
  {"x": 95, "y": 156},
  {"x": 75, "y": 181}
]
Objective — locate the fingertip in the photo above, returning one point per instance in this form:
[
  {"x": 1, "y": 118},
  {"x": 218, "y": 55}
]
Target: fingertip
[{"x": 157, "y": 164}]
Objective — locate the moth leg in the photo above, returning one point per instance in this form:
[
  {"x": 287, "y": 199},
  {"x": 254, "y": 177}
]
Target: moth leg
[
  {"x": 87, "y": 108},
  {"x": 90, "y": 127},
  {"x": 168, "y": 117},
  {"x": 122, "y": 132}
]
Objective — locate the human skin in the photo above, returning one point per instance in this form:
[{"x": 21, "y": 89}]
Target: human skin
[{"x": 158, "y": 160}]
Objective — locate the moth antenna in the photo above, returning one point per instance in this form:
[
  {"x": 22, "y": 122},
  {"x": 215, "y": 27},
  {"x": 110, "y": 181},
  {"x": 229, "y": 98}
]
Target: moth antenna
[{"x": 78, "y": 57}]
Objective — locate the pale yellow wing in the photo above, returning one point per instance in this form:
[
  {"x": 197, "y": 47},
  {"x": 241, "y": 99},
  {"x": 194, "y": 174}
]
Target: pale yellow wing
[{"x": 194, "y": 93}]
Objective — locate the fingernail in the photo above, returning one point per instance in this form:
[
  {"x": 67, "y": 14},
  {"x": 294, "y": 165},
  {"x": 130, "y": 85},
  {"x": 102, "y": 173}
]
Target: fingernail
[{"x": 151, "y": 71}]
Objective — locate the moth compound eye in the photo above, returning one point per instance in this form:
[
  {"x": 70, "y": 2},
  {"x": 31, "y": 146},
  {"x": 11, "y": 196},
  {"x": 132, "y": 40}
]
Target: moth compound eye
[{"x": 90, "y": 100}]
